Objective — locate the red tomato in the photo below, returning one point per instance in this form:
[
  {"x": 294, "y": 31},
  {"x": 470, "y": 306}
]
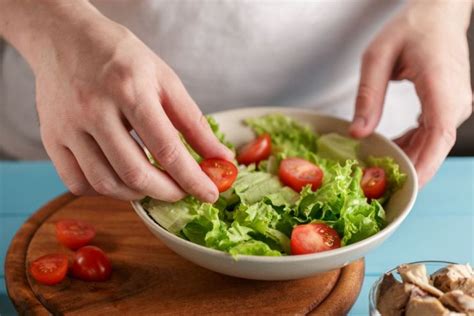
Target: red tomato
[
  {"x": 311, "y": 238},
  {"x": 374, "y": 182},
  {"x": 220, "y": 171},
  {"x": 91, "y": 264},
  {"x": 50, "y": 269},
  {"x": 297, "y": 172},
  {"x": 257, "y": 150},
  {"x": 74, "y": 234}
]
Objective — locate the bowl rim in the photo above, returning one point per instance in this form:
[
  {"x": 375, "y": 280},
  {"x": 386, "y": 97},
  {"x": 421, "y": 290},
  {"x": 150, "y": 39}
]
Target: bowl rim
[{"x": 306, "y": 257}]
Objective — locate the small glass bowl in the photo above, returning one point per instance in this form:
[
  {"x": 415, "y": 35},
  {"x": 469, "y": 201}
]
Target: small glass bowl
[{"x": 431, "y": 267}]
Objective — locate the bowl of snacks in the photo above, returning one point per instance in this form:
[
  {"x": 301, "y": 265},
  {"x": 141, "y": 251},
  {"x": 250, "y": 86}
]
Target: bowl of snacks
[{"x": 302, "y": 197}]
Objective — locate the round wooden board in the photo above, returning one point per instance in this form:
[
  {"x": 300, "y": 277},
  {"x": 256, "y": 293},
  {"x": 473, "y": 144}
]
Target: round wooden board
[{"x": 148, "y": 278}]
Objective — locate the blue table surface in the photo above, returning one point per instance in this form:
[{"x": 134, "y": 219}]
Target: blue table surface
[{"x": 440, "y": 226}]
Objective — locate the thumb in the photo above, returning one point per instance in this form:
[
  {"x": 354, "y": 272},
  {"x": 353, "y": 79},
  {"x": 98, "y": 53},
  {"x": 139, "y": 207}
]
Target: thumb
[{"x": 376, "y": 71}]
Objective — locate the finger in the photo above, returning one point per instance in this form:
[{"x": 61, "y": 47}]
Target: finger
[
  {"x": 404, "y": 139},
  {"x": 69, "y": 171},
  {"x": 98, "y": 171},
  {"x": 189, "y": 120},
  {"x": 442, "y": 108},
  {"x": 378, "y": 63},
  {"x": 155, "y": 129},
  {"x": 130, "y": 163},
  {"x": 437, "y": 144},
  {"x": 415, "y": 145}
]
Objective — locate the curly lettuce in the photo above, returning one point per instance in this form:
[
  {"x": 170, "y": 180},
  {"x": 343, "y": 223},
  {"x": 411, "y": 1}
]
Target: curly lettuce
[
  {"x": 396, "y": 178},
  {"x": 287, "y": 135}
]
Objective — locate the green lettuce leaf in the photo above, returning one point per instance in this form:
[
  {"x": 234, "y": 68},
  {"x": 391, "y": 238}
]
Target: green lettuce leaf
[
  {"x": 219, "y": 134},
  {"x": 197, "y": 229},
  {"x": 258, "y": 216},
  {"x": 359, "y": 219},
  {"x": 269, "y": 165},
  {"x": 263, "y": 219},
  {"x": 327, "y": 201},
  {"x": 172, "y": 216},
  {"x": 395, "y": 177},
  {"x": 284, "y": 197},
  {"x": 191, "y": 151},
  {"x": 286, "y": 134},
  {"x": 252, "y": 186},
  {"x": 253, "y": 247},
  {"x": 208, "y": 229},
  {"x": 206, "y": 225},
  {"x": 337, "y": 147},
  {"x": 341, "y": 204}
]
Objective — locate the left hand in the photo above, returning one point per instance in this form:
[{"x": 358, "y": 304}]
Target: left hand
[{"x": 425, "y": 43}]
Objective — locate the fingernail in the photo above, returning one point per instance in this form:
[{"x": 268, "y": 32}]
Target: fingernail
[
  {"x": 211, "y": 197},
  {"x": 358, "y": 123}
]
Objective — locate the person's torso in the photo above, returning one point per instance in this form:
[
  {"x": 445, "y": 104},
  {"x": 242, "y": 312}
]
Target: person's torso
[{"x": 228, "y": 54}]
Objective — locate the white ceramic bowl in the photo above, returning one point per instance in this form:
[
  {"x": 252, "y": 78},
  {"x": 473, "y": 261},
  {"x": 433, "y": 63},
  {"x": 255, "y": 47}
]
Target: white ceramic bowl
[{"x": 294, "y": 267}]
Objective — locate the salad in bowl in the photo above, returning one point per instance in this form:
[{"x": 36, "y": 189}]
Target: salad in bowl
[{"x": 300, "y": 190}]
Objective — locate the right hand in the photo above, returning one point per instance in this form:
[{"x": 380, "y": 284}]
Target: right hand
[{"x": 95, "y": 81}]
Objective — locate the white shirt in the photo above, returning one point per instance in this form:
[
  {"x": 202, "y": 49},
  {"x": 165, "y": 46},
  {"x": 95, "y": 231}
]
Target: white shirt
[{"x": 235, "y": 53}]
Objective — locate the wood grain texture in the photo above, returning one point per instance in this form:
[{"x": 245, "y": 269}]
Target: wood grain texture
[
  {"x": 345, "y": 291},
  {"x": 148, "y": 278},
  {"x": 18, "y": 287}
]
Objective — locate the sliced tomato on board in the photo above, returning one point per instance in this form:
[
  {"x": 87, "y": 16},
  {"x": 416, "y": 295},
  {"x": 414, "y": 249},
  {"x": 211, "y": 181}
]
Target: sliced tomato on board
[
  {"x": 91, "y": 264},
  {"x": 312, "y": 238},
  {"x": 222, "y": 172},
  {"x": 257, "y": 150},
  {"x": 49, "y": 269},
  {"x": 74, "y": 234},
  {"x": 374, "y": 182},
  {"x": 297, "y": 173}
]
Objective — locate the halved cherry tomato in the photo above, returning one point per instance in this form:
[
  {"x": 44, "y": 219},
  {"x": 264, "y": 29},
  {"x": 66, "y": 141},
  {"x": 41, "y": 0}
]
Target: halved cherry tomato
[
  {"x": 297, "y": 173},
  {"x": 50, "y": 269},
  {"x": 257, "y": 150},
  {"x": 374, "y": 182},
  {"x": 74, "y": 234},
  {"x": 311, "y": 238},
  {"x": 91, "y": 264},
  {"x": 222, "y": 172}
]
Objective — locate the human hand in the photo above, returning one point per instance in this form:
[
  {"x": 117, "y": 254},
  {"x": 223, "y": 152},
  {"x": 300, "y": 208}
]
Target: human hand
[
  {"x": 94, "y": 82},
  {"x": 425, "y": 43}
]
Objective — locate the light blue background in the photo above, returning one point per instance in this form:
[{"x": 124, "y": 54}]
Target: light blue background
[{"x": 441, "y": 225}]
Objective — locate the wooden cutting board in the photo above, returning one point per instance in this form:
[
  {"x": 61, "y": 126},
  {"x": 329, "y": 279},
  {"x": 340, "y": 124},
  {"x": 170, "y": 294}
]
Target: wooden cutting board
[{"x": 148, "y": 278}]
